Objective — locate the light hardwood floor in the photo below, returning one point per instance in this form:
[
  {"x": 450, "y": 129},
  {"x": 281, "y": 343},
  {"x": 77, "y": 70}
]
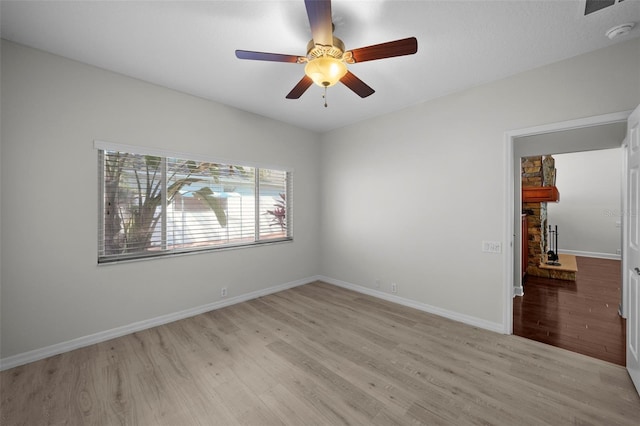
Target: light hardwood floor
[{"x": 318, "y": 355}]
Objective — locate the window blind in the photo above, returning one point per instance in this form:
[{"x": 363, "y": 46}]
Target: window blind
[{"x": 154, "y": 205}]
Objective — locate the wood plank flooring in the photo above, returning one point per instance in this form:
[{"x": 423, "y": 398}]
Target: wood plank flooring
[
  {"x": 581, "y": 316},
  {"x": 318, "y": 355}
]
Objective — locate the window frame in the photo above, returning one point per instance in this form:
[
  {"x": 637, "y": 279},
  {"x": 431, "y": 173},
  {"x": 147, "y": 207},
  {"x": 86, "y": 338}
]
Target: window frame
[{"x": 258, "y": 240}]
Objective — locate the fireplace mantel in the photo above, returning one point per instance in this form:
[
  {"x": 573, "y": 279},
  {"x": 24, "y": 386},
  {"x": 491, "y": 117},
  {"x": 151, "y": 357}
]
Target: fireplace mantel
[{"x": 540, "y": 194}]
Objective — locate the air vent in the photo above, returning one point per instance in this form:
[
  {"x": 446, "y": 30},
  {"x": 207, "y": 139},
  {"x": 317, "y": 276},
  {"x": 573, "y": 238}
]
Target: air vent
[{"x": 591, "y": 6}]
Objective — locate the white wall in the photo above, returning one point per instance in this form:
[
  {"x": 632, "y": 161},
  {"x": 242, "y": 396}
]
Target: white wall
[
  {"x": 592, "y": 138},
  {"x": 588, "y": 214},
  {"x": 409, "y": 197},
  {"x": 52, "y": 111}
]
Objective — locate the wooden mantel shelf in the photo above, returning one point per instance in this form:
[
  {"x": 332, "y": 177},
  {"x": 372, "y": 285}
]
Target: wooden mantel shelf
[{"x": 539, "y": 194}]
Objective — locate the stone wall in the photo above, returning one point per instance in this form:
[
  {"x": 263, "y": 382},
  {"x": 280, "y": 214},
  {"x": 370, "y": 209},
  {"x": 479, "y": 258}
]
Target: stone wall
[{"x": 537, "y": 171}]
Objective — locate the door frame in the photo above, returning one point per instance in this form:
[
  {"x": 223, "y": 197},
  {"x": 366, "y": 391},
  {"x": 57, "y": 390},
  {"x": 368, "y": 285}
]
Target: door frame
[
  {"x": 623, "y": 308},
  {"x": 512, "y": 263}
]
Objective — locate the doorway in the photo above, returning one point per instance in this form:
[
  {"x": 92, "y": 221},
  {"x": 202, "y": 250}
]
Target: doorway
[
  {"x": 577, "y": 311},
  {"x": 591, "y": 133}
]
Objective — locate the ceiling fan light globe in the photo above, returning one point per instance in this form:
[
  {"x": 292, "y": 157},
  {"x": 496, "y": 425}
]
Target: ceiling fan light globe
[{"x": 325, "y": 71}]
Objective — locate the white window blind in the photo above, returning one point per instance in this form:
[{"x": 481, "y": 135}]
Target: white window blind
[{"x": 155, "y": 205}]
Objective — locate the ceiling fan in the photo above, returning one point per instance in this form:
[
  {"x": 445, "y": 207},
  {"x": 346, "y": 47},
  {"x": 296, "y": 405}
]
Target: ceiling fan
[{"x": 326, "y": 60}]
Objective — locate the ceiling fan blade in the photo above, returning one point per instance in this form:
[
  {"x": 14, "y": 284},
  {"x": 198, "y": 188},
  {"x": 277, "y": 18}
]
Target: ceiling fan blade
[
  {"x": 261, "y": 56},
  {"x": 358, "y": 86},
  {"x": 406, "y": 46},
  {"x": 319, "y": 13},
  {"x": 300, "y": 88}
]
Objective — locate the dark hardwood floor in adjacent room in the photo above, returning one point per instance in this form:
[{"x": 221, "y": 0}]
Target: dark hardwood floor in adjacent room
[{"x": 580, "y": 316}]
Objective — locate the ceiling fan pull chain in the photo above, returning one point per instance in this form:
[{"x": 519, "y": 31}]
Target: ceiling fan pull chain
[{"x": 325, "y": 96}]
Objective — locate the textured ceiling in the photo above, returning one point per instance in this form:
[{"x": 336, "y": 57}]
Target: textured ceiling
[{"x": 189, "y": 46}]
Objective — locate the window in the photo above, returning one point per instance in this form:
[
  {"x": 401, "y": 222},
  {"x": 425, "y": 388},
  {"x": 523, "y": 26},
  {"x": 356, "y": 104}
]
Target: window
[{"x": 153, "y": 204}]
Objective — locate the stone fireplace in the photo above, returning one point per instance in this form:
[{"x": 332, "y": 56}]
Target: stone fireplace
[{"x": 538, "y": 187}]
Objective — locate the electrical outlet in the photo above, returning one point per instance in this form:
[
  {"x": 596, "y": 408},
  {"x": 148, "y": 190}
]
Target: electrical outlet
[
  {"x": 394, "y": 288},
  {"x": 492, "y": 247},
  {"x": 223, "y": 292}
]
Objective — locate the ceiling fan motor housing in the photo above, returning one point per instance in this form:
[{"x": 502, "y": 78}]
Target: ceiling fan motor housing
[{"x": 336, "y": 50}]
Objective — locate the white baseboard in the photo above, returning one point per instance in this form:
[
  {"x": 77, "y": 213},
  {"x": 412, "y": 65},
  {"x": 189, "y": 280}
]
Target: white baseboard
[
  {"x": 591, "y": 254},
  {"x": 467, "y": 319},
  {"x": 80, "y": 342},
  {"x": 58, "y": 348}
]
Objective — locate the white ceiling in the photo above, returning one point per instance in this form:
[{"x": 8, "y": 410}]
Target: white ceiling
[{"x": 189, "y": 46}]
